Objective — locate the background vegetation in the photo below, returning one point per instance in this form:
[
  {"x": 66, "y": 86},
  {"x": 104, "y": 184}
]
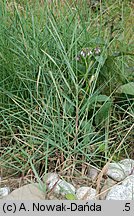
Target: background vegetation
[{"x": 66, "y": 85}]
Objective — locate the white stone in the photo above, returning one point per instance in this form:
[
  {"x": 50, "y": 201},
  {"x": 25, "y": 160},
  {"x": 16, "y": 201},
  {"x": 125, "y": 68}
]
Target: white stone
[
  {"x": 86, "y": 193},
  {"x": 119, "y": 171},
  {"x": 4, "y": 191},
  {"x": 129, "y": 181},
  {"x": 51, "y": 177},
  {"x": 108, "y": 184},
  {"x": 27, "y": 192},
  {"x": 65, "y": 187},
  {"x": 125, "y": 191},
  {"x": 59, "y": 186}
]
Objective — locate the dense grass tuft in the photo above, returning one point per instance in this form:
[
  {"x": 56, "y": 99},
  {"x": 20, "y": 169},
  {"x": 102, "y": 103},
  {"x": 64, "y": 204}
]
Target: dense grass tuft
[{"x": 59, "y": 109}]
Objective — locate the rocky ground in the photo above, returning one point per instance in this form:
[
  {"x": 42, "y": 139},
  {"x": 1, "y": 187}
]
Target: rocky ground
[{"x": 116, "y": 182}]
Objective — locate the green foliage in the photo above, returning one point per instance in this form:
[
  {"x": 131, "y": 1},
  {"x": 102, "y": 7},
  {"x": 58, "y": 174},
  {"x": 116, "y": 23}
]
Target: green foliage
[
  {"x": 127, "y": 88},
  {"x": 103, "y": 113},
  {"x": 56, "y": 103},
  {"x": 70, "y": 197}
]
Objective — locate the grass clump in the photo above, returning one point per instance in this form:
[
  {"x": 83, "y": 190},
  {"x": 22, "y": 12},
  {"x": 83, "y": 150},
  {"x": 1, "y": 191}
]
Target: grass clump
[{"x": 61, "y": 69}]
